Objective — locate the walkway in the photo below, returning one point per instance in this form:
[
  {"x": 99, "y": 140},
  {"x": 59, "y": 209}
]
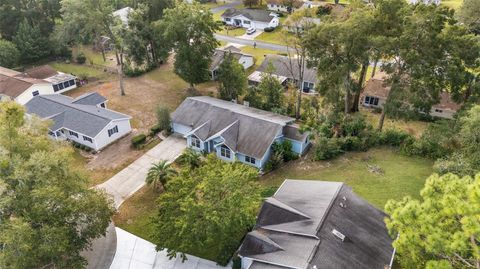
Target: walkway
[
  {"x": 246, "y": 42},
  {"x": 132, "y": 178},
  {"x": 134, "y": 252}
]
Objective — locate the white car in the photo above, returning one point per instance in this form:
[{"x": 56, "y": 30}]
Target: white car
[{"x": 251, "y": 30}]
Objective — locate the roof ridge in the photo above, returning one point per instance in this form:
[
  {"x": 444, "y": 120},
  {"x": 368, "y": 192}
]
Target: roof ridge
[
  {"x": 74, "y": 107},
  {"x": 330, "y": 205},
  {"x": 277, "y": 203}
]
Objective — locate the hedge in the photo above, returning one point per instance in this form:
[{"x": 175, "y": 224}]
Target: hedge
[{"x": 138, "y": 140}]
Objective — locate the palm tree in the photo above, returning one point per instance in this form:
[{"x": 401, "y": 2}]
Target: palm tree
[
  {"x": 191, "y": 158},
  {"x": 159, "y": 174}
]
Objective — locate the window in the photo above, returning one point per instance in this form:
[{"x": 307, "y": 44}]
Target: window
[
  {"x": 367, "y": 99},
  {"x": 55, "y": 88},
  {"x": 50, "y": 133},
  {"x": 246, "y": 22},
  {"x": 225, "y": 151},
  {"x": 227, "y": 19},
  {"x": 86, "y": 138},
  {"x": 72, "y": 82},
  {"x": 307, "y": 86},
  {"x": 58, "y": 133},
  {"x": 195, "y": 142},
  {"x": 370, "y": 100},
  {"x": 102, "y": 105},
  {"x": 112, "y": 131},
  {"x": 66, "y": 84},
  {"x": 35, "y": 93},
  {"x": 60, "y": 86},
  {"x": 249, "y": 159},
  {"x": 72, "y": 133}
]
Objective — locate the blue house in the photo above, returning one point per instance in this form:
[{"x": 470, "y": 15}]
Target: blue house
[{"x": 235, "y": 132}]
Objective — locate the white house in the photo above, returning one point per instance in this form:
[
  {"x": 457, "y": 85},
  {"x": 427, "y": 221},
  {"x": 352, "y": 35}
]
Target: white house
[
  {"x": 235, "y": 132},
  {"x": 123, "y": 14},
  {"x": 279, "y": 5},
  {"x": 426, "y": 2},
  {"x": 247, "y": 18},
  {"x": 84, "y": 120},
  {"x": 22, "y": 87},
  {"x": 376, "y": 92},
  {"x": 246, "y": 60},
  {"x": 284, "y": 69}
]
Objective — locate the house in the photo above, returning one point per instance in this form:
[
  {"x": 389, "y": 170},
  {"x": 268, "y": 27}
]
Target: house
[
  {"x": 426, "y": 2},
  {"x": 246, "y": 60},
  {"x": 376, "y": 92},
  {"x": 310, "y": 224},
  {"x": 21, "y": 87},
  {"x": 235, "y": 132},
  {"x": 85, "y": 119},
  {"x": 287, "y": 71},
  {"x": 123, "y": 14},
  {"x": 247, "y": 18},
  {"x": 305, "y": 23},
  {"x": 279, "y": 5}
]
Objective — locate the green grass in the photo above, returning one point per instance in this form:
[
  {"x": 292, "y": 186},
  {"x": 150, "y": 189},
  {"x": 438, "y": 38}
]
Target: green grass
[
  {"x": 455, "y": 4},
  {"x": 275, "y": 37},
  {"x": 232, "y": 32},
  {"x": 413, "y": 127},
  {"x": 403, "y": 175},
  {"x": 258, "y": 54},
  {"x": 79, "y": 70}
]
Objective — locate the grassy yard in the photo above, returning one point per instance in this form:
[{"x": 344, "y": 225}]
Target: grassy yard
[
  {"x": 258, "y": 54},
  {"x": 455, "y": 4},
  {"x": 232, "y": 32},
  {"x": 403, "y": 175},
  {"x": 415, "y": 128},
  {"x": 275, "y": 37},
  {"x": 79, "y": 70}
]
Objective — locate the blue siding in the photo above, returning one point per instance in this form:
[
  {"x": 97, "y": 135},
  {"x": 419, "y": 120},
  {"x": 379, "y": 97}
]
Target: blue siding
[{"x": 241, "y": 158}]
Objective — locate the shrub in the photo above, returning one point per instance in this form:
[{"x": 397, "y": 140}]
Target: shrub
[
  {"x": 155, "y": 129},
  {"x": 325, "y": 148},
  {"x": 268, "y": 29},
  {"x": 81, "y": 58},
  {"x": 354, "y": 125},
  {"x": 352, "y": 143},
  {"x": 324, "y": 10},
  {"x": 284, "y": 149},
  {"x": 275, "y": 160},
  {"x": 395, "y": 138},
  {"x": 236, "y": 262},
  {"x": 163, "y": 118},
  {"x": 139, "y": 140}
]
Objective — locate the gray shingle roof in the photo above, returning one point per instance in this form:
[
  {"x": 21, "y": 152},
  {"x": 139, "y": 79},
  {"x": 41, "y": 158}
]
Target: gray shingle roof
[
  {"x": 253, "y": 14},
  {"x": 247, "y": 130},
  {"x": 219, "y": 55},
  {"x": 367, "y": 244},
  {"x": 91, "y": 98},
  {"x": 282, "y": 67},
  {"x": 85, "y": 119}
]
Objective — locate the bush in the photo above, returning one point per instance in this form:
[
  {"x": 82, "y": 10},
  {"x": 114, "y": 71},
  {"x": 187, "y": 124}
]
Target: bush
[
  {"x": 81, "y": 58},
  {"x": 324, "y": 10},
  {"x": 163, "y": 118},
  {"x": 237, "y": 262},
  {"x": 353, "y": 143},
  {"x": 354, "y": 125},
  {"x": 155, "y": 129},
  {"x": 269, "y": 29},
  {"x": 325, "y": 148},
  {"x": 394, "y": 138},
  {"x": 139, "y": 140}
]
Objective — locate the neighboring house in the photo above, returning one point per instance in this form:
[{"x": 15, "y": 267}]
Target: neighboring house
[
  {"x": 284, "y": 69},
  {"x": 85, "y": 119},
  {"x": 123, "y": 14},
  {"x": 376, "y": 92},
  {"x": 303, "y": 24},
  {"x": 247, "y": 18},
  {"x": 21, "y": 87},
  {"x": 311, "y": 224},
  {"x": 235, "y": 132},
  {"x": 426, "y": 2},
  {"x": 279, "y": 5},
  {"x": 246, "y": 60}
]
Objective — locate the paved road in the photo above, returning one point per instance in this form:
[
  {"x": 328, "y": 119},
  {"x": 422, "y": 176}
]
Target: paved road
[
  {"x": 132, "y": 178},
  {"x": 134, "y": 252},
  {"x": 245, "y": 42},
  {"x": 227, "y": 5}
]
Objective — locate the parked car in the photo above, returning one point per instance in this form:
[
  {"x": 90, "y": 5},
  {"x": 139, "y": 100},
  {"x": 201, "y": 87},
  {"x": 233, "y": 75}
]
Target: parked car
[{"x": 251, "y": 30}]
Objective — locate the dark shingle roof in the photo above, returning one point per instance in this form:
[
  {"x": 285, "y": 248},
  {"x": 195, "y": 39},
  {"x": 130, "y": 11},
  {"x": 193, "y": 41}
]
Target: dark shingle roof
[
  {"x": 219, "y": 55},
  {"x": 282, "y": 67},
  {"x": 293, "y": 132},
  {"x": 85, "y": 119},
  {"x": 41, "y": 72},
  {"x": 247, "y": 130},
  {"x": 253, "y": 14},
  {"x": 91, "y": 98},
  {"x": 367, "y": 244}
]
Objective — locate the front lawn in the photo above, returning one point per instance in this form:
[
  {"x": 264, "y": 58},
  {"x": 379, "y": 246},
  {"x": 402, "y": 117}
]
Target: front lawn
[
  {"x": 232, "y": 32},
  {"x": 275, "y": 37},
  {"x": 79, "y": 70},
  {"x": 402, "y": 175}
]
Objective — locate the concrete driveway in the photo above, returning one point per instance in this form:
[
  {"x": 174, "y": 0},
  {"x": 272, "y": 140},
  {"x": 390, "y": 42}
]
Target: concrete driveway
[
  {"x": 251, "y": 36},
  {"x": 132, "y": 178},
  {"x": 134, "y": 252}
]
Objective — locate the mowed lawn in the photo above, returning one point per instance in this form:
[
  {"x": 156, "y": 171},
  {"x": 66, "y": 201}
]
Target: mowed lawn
[{"x": 403, "y": 175}]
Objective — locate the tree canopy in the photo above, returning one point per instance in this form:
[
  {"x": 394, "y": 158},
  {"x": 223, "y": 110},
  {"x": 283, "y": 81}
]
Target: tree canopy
[
  {"x": 232, "y": 78},
  {"x": 207, "y": 210},
  {"x": 48, "y": 215},
  {"x": 441, "y": 230}
]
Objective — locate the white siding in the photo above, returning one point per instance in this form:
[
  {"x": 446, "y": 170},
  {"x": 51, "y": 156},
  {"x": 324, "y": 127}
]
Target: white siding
[
  {"x": 102, "y": 139},
  {"x": 242, "y": 21},
  {"x": 27, "y": 95}
]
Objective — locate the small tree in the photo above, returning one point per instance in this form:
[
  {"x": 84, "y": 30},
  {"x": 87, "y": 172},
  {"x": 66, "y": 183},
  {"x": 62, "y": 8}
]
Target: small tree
[
  {"x": 190, "y": 158},
  {"x": 163, "y": 118},
  {"x": 9, "y": 55},
  {"x": 442, "y": 229},
  {"x": 232, "y": 78},
  {"x": 272, "y": 90},
  {"x": 159, "y": 174}
]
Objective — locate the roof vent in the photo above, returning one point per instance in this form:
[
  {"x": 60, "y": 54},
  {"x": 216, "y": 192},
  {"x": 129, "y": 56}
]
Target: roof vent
[
  {"x": 339, "y": 235},
  {"x": 314, "y": 267},
  {"x": 342, "y": 205},
  {"x": 344, "y": 198}
]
